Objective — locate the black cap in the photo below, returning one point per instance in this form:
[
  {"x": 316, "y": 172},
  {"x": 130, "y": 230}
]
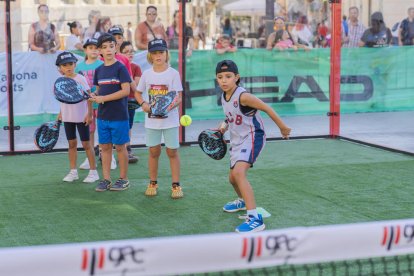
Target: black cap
[
  {"x": 227, "y": 66},
  {"x": 90, "y": 41},
  {"x": 157, "y": 45},
  {"x": 115, "y": 30},
  {"x": 105, "y": 38},
  {"x": 65, "y": 57}
]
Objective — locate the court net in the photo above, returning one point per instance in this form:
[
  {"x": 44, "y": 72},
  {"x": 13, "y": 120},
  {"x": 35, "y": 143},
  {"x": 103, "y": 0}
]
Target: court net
[{"x": 375, "y": 248}]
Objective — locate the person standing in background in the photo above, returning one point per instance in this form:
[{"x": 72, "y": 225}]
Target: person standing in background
[
  {"x": 173, "y": 35},
  {"x": 73, "y": 41},
  {"x": 43, "y": 36},
  {"x": 129, "y": 31},
  {"x": 149, "y": 29},
  {"x": 356, "y": 29},
  {"x": 93, "y": 18},
  {"x": 406, "y": 31}
]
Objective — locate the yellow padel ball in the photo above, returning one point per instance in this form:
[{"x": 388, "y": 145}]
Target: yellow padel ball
[{"x": 185, "y": 120}]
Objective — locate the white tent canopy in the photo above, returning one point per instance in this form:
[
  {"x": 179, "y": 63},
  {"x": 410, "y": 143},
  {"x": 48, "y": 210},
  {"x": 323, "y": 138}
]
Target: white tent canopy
[{"x": 249, "y": 7}]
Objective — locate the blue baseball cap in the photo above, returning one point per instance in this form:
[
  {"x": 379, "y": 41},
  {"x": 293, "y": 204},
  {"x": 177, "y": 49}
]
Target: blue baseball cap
[
  {"x": 157, "y": 45},
  {"x": 90, "y": 41},
  {"x": 115, "y": 30},
  {"x": 65, "y": 57}
]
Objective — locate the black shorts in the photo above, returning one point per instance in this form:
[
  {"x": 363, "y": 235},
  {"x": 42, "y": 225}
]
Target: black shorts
[{"x": 70, "y": 130}]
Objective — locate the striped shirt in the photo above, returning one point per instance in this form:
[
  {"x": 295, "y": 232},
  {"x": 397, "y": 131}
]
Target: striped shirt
[{"x": 355, "y": 33}]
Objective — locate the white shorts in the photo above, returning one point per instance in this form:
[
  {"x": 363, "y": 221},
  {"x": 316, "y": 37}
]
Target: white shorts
[
  {"x": 248, "y": 150},
  {"x": 170, "y": 135}
]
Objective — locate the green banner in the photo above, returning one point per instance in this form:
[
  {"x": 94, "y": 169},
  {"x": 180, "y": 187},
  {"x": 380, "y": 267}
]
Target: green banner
[{"x": 297, "y": 83}]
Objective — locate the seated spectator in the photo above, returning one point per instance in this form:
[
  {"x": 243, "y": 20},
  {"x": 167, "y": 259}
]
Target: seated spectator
[
  {"x": 378, "y": 35},
  {"x": 224, "y": 45},
  {"x": 43, "y": 36},
  {"x": 279, "y": 24},
  {"x": 73, "y": 41},
  {"x": 284, "y": 42},
  {"x": 406, "y": 32}
]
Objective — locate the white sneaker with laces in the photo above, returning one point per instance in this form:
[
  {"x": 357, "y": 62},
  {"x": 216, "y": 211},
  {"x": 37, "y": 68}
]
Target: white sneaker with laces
[
  {"x": 92, "y": 177},
  {"x": 71, "y": 176},
  {"x": 85, "y": 165},
  {"x": 113, "y": 163}
]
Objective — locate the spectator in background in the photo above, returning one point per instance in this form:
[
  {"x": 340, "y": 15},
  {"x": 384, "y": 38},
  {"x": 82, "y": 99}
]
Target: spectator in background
[
  {"x": 173, "y": 36},
  {"x": 227, "y": 29},
  {"x": 356, "y": 29},
  {"x": 201, "y": 32},
  {"x": 129, "y": 31},
  {"x": 406, "y": 32},
  {"x": 127, "y": 49},
  {"x": 279, "y": 24},
  {"x": 93, "y": 18},
  {"x": 345, "y": 25},
  {"x": 378, "y": 35},
  {"x": 301, "y": 32},
  {"x": 283, "y": 41},
  {"x": 73, "y": 41},
  {"x": 224, "y": 45},
  {"x": 43, "y": 36},
  {"x": 103, "y": 26},
  {"x": 149, "y": 29}
]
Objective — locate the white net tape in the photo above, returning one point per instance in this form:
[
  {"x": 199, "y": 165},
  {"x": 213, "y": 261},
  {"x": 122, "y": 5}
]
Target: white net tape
[{"x": 215, "y": 252}]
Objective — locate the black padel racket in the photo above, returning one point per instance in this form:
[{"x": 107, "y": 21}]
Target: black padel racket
[
  {"x": 47, "y": 135},
  {"x": 69, "y": 91},
  {"x": 212, "y": 143},
  {"x": 160, "y": 104}
]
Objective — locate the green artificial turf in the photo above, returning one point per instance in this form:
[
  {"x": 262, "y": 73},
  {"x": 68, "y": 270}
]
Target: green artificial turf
[{"x": 300, "y": 182}]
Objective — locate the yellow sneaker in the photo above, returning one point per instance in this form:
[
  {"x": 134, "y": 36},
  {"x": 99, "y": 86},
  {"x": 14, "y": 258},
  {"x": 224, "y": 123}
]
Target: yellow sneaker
[
  {"x": 151, "y": 190},
  {"x": 176, "y": 192}
]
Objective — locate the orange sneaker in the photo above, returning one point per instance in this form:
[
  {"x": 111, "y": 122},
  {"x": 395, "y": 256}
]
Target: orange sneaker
[
  {"x": 151, "y": 190},
  {"x": 176, "y": 192}
]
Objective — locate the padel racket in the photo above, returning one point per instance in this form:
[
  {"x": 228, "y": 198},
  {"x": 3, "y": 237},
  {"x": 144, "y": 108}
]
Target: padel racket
[
  {"x": 47, "y": 135},
  {"x": 160, "y": 104},
  {"x": 133, "y": 104},
  {"x": 69, "y": 91},
  {"x": 212, "y": 143}
]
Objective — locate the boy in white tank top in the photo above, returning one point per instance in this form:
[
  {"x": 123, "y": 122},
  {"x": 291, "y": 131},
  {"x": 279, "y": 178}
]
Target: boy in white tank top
[{"x": 247, "y": 139}]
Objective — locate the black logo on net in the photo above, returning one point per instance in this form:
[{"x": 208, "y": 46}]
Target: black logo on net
[
  {"x": 257, "y": 247},
  {"x": 113, "y": 261},
  {"x": 396, "y": 235},
  {"x": 269, "y": 89}
]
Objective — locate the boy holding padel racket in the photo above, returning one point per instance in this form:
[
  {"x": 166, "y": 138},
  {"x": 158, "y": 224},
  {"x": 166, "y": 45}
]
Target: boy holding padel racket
[
  {"x": 247, "y": 139},
  {"x": 113, "y": 84},
  {"x": 76, "y": 117},
  {"x": 156, "y": 84}
]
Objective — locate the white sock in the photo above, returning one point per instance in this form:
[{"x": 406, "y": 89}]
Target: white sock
[
  {"x": 253, "y": 212},
  {"x": 241, "y": 199},
  {"x": 92, "y": 171},
  {"x": 74, "y": 171}
]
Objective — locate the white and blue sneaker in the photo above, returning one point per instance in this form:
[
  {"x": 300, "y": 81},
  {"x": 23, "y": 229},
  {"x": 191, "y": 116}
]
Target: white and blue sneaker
[
  {"x": 251, "y": 224},
  {"x": 234, "y": 206}
]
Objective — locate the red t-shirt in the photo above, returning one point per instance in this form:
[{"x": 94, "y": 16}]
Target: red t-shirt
[{"x": 136, "y": 72}]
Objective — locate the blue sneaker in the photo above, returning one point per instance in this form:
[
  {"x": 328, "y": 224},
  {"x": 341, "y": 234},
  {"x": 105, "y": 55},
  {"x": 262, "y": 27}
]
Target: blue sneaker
[
  {"x": 234, "y": 206},
  {"x": 120, "y": 185},
  {"x": 251, "y": 224},
  {"x": 103, "y": 185}
]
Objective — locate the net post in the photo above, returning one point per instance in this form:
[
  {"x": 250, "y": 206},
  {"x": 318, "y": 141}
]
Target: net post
[{"x": 335, "y": 71}]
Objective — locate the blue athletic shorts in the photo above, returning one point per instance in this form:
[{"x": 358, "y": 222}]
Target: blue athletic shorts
[
  {"x": 171, "y": 137},
  {"x": 113, "y": 132}
]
